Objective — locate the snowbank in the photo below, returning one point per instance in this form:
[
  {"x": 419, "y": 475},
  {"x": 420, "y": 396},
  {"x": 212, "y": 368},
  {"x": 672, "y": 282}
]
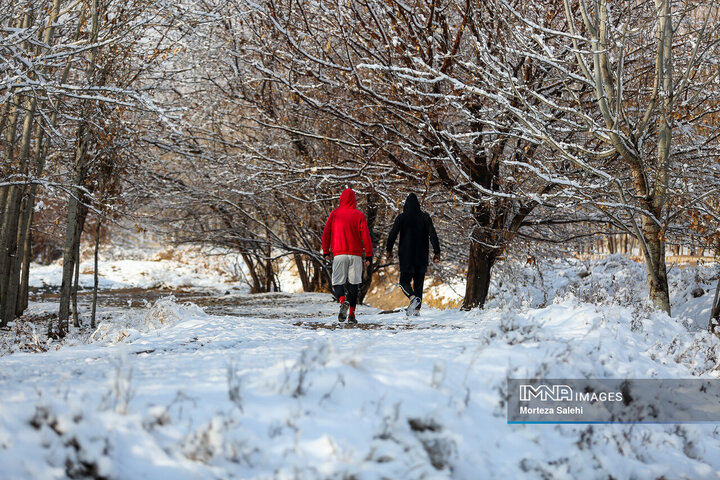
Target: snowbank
[
  {"x": 164, "y": 312},
  {"x": 278, "y": 392},
  {"x": 615, "y": 280}
]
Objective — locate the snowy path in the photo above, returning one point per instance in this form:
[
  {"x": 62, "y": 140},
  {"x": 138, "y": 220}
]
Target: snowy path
[{"x": 275, "y": 390}]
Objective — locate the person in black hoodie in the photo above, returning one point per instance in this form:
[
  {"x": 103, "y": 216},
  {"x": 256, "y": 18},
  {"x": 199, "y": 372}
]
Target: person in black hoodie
[{"x": 416, "y": 231}]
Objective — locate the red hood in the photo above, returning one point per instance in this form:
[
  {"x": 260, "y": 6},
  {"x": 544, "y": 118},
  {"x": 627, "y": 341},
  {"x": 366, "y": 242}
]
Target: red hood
[
  {"x": 346, "y": 230},
  {"x": 347, "y": 199}
]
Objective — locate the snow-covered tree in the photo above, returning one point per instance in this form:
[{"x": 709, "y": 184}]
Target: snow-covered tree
[{"x": 638, "y": 85}]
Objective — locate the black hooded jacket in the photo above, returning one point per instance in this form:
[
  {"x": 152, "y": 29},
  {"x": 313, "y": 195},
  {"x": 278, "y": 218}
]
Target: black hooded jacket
[{"x": 416, "y": 231}]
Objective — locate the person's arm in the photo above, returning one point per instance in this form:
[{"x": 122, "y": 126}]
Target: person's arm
[
  {"x": 327, "y": 234},
  {"x": 392, "y": 236},
  {"x": 434, "y": 240}
]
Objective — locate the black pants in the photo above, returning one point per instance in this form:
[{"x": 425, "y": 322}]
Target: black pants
[
  {"x": 352, "y": 293},
  {"x": 417, "y": 277}
]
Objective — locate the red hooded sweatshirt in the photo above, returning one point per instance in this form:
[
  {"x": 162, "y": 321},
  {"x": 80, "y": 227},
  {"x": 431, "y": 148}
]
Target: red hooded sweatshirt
[{"x": 346, "y": 230}]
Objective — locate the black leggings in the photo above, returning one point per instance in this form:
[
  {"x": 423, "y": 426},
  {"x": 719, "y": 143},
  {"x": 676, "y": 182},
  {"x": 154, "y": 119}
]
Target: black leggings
[
  {"x": 417, "y": 279},
  {"x": 352, "y": 292}
]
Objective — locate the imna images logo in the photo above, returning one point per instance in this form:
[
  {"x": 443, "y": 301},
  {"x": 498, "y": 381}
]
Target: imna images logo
[{"x": 544, "y": 393}]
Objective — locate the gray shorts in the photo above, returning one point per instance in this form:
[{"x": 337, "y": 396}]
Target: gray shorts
[{"x": 347, "y": 268}]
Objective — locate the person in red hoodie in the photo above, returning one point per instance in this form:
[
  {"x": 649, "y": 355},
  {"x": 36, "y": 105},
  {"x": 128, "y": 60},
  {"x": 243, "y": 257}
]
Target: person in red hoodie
[{"x": 346, "y": 236}]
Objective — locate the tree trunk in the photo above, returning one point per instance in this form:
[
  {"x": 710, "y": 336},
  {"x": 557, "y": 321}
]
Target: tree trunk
[
  {"x": 320, "y": 281},
  {"x": 714, "y": 325},
  {"x": 95, "y": 273},
  {"x": 3, "y": 200},
  {"x": 73, "y": 228},
  {"x": 5, "y": 116},
  {"x": 270, "y": 282},
  {"x": 42, "y": 145},
  {"x": 298, "y": 258},
  {"x": 8, "y": 227},
  {"x": 655, "y": 265},
  {"x": 27, "y": 219},
  {"x": 76, "y": 284},
  {"x": 611, "y": 244},
  {"x": 73, "y": 233},
  {"x": 366, "y": 281},
  {"x": 10, "y": 265},
  {"x": 12, "y": 307},
  {"x": 256, "y": 286},
  {"x": 480, "y": 266},
  {"x": 68, "y": 264},
  {"x": 15, "y": 224},
  {"x": 26, "y": 257},
  {"x": 373, "y": 199},
  {"x": 302, "y": 272}
]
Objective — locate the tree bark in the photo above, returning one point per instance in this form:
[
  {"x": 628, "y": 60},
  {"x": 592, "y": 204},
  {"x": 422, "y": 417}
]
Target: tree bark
[
  {"x": 95, "y": 273},
  {"x": 27, "y": 219},
  {"x": 373, "y": 199},
  {"x": 302, "y": 272},
  {"x": 714, "y": 324},
  {"x": 16, "y": 235},
  {"x": 72, "y": 240},
  {"x": 480, "y": 264},
  {"x": 298, "y": 258},
  {"x": 3, "y": 201},
  {"x": 270, "y": 283},
  {"x": 8, "y": 287},
  {"x": 12, "y": 233},
  {"x": 14, "y": 307},
  {"x": 76, "y": 284},
  {"x": 23, "y": 294},
  {"x": 256, "y": 286},
  {"x": 8, "y": 228},
  {"x": 320, "y": 282},
  {"x": 73, "y": 228},
  {"x": 655, "y": 265}
]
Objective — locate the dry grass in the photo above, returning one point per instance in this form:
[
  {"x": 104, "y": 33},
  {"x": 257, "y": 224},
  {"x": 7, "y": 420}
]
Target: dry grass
[
  {"x": 385, "y": 293},
  {"x": 168, "y": 253}
]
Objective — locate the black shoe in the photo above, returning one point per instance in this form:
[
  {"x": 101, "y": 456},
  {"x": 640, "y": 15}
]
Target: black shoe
[
  {"x": 342, "y": 315},
  {"x": 414, "y": 306},
  {"x": 352, "y": 320}
]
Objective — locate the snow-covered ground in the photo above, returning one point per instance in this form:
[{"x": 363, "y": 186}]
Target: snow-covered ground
[
  {"x": 270, "y": 386},
  {"x": 149, "y": 266}
]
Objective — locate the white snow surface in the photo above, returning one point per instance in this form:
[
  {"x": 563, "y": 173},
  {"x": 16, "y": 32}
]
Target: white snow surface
[
  {"x": 274, "y": 388},
  {"x": 148, "y": 267}
]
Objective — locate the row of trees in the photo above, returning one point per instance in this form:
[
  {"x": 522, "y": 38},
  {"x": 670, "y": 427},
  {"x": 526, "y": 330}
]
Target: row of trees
[
  {"x": 239, "y": 122},
  {"x": 525, "y": 115},
  {"x": 74, "y": 108}
]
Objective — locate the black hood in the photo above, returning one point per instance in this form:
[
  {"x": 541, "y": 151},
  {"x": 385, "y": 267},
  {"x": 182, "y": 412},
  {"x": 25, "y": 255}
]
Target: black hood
[{"x": 412, "y": 205}]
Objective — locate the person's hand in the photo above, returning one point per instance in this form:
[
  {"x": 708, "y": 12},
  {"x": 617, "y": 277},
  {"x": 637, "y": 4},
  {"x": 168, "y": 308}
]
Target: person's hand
[
  {"x": 388, "y": 255},
  {"x": 436, "y": 258},
  {"x": 367, "y": 261},
  {"x": 327, "y": 256}
]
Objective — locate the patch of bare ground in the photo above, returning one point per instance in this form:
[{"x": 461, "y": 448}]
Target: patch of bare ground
[
  {"x": 37, "y": 318},
  {"x": 261, "y": 304},
  {"x": 125, "y": 297},
  {"x": 372, "y": 326}
]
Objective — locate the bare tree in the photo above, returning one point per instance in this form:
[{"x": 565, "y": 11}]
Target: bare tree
[
  {"x": 393, "y": 75},
  {"x": 69, "y": 79},
  {"x": 633, "y": 79}
]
